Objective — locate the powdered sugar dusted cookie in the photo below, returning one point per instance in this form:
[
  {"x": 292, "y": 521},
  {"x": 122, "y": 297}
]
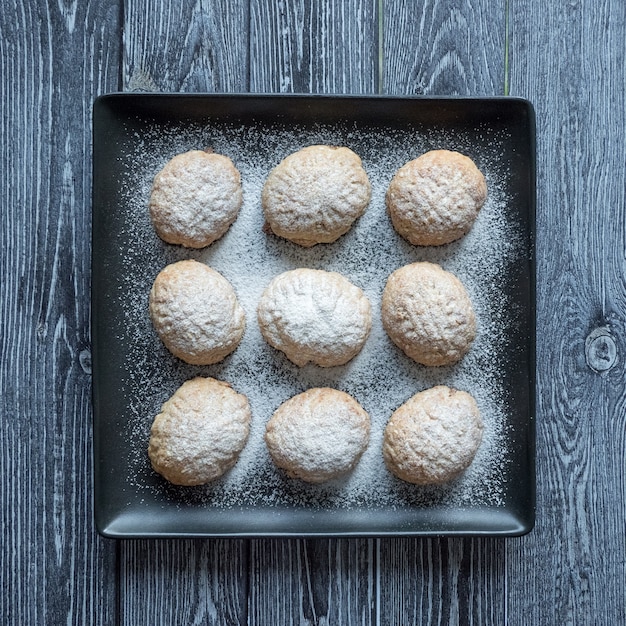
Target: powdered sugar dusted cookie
[
  {"x": 195, "y": 312},
  {"x": 199, "y": 432},
  {"x": 314, "y": 195},
  {"x": 195, "y": 198},
  {"x": 428, "y": 314},
  {"x": 315, "y": 316},
  {"x": 435, "y": 198},
  {"x": 433, "y": 437},
  {"x": 318, "y": 435}
]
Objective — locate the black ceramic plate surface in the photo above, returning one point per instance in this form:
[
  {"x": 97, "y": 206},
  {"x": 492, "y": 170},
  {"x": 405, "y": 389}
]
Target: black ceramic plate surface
[{"x": 133, "y": 136}]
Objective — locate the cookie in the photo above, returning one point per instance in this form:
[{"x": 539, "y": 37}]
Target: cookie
[
  {"x": 428, "y": 314},
  {"x": 318, "y": 435},
  {"x": 436, "y": 198},
  {"x": 195, "y": 198},
  {"x": 195, "y": 312},
  {"x": 433, "y": 437},
  {"x": 200, "y": 432},
  {"x": 314, "y": 316},
  {"x": 314, "y": 195}
]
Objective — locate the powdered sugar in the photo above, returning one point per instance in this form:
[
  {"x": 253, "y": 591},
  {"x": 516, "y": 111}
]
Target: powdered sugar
[
  {"x": 195, "y": 311},
  {"x": 312, "y": 208},
  {"x": 314, "y": 316},
  {"x": 195, "y": 198},
  {"x": 449, "y": 430},
  {"x": 318, "y": 434},
  {"x": 380, "y": 377}
]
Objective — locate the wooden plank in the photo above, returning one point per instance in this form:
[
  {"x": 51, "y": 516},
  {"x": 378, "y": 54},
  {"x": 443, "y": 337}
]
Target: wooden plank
[
  {"x": 323, "y": 46},
  {"x": 184, "y": 46},
  {"x": 183, "y": 582},
  {"x": 317, "y": 46},
  {"x": 571, "y": 569},
  {"x": 322, "y": 582},
  {"x": 443, "y": 47},
  {"x": 437, "y": 47},
  {"x": 442, "y": 581},
  {"x": 54, "y": 58}
]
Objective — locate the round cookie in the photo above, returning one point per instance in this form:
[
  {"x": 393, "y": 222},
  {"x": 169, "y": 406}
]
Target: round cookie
[
  {"x": 318, "y": 435},
  {"x": 195, "y": 312},
  {"x": 433, "y": 437},
  {"x": 195, "y": 198},
  {"x": 314, "y": 316},
  {"x": 199, "y": 432},
  {"x": 435, "y": 198},
  {"x": 428, "y": 314},
  {"x": 314, "y": 195}
]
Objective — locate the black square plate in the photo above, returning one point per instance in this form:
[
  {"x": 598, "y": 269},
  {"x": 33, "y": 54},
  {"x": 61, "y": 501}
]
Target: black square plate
[{"x": 133, "y": 374}]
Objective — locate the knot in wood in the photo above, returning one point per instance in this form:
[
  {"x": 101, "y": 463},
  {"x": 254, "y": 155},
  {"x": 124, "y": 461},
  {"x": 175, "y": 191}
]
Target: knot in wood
[
  {"x": 600, "y": 350},
  {"x": 84, "y": 358}
]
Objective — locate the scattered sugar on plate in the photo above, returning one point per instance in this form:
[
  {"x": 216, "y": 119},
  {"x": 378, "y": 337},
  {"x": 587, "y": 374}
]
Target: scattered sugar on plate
[{"x": 381, "y": 378}]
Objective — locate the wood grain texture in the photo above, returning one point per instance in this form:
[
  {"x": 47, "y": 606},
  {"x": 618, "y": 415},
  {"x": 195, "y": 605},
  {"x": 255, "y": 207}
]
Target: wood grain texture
[
  {"x": 304, "y": 582},
  {"x": 183, "y": 582},
  {"x": 568, "y": 58},
  {"x": 199, "y": 46},
  {"x": 54, "y": 58},
  {"x": 186, "y": 45},
  {"x": 324, "y": 46},
  {"x": 572, "y": 569},
  {"x": 443, "y": 47},
  {"x": 314, "y": 46},
  {"x": 442, "y": 581}
]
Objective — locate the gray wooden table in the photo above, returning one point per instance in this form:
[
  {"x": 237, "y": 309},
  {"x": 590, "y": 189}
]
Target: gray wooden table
[{"x": 568, "y": 58}]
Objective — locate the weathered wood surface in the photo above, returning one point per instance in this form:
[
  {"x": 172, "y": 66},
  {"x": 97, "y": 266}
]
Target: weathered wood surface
[
  {"x": 443, "y": 48},
  {"x": 324, "y": 46},
  {"x": 567, "y": 58},
  {"x": 54, "y": 57},
  {"x": 452, "y": 49},
  {"x": 185, "y": 46},
  {"x": 314, "y": 46}
]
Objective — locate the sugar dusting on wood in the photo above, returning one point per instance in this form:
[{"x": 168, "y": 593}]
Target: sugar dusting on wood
[{"x": 381, "y": 378}]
